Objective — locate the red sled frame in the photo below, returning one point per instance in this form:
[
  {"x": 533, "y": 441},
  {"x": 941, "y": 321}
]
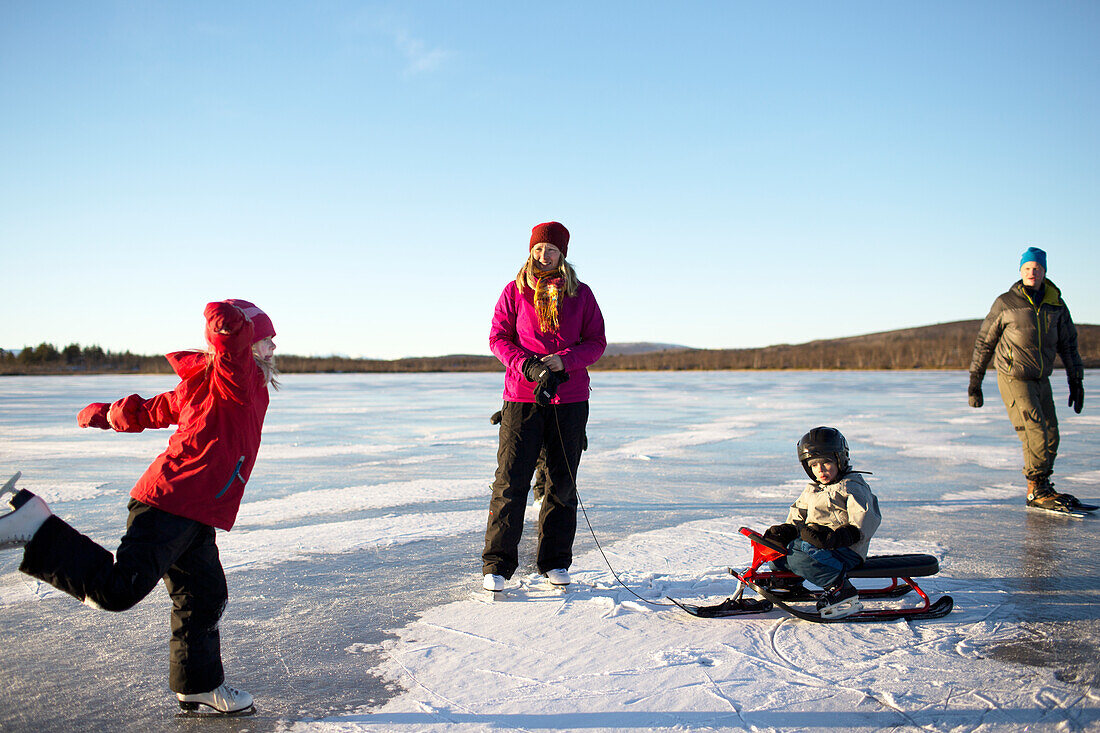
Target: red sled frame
[{"x": 899, "y": 569}]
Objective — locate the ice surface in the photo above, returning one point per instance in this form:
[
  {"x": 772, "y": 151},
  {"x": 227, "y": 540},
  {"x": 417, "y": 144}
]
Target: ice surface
[{"x": 354, "y": 569}]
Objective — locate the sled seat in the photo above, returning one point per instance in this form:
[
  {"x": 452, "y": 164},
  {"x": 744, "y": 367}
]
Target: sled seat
[{"x": 913, "y": 565}]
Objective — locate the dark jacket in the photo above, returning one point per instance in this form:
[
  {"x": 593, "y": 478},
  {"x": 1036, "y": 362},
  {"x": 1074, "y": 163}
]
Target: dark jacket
[{"x": 1026, "y": 336}]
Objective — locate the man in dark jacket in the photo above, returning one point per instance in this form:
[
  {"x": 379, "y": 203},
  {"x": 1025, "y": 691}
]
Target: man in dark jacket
[{"x": 1025, "y": 329}]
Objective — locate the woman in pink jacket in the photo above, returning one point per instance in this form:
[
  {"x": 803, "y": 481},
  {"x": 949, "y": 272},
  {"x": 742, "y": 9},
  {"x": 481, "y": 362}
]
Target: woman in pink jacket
[
  {"x": 547, "y": 328},
  {"x": 192, "y": 487}
]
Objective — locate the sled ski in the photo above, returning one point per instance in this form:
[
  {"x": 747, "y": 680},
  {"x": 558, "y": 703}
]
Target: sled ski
[
  {"x": 940, "y": 608},
  {"x": 899, "y": 569},
  {"x": 728, "y": 607}
]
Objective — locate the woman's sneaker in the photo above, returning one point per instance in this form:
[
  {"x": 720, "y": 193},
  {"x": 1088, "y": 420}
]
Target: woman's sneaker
[
  {"x": 839, "y": 601},
  {"x": 559, "y": 576},
  {"x": 222, "y": 700},
  {"x": 495, "y": 583},
  {"x": 17, "y": 527}
]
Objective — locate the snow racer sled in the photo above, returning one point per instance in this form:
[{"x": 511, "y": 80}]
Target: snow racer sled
[{"x": 782, "y": 588}]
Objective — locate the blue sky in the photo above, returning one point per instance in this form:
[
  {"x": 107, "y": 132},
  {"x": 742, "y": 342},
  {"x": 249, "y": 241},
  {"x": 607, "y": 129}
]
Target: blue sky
[{"x": 733, "y": 174}]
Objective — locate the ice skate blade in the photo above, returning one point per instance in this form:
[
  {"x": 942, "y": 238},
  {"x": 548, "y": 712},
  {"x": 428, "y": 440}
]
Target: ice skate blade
[
  {"x": 9, "y": 485},
  {"x": 842, "y": 609},
  {"x": 488, "y": 593},
  {"x": 1075, "y": 513},
  {"x": 198, "y": 710}
]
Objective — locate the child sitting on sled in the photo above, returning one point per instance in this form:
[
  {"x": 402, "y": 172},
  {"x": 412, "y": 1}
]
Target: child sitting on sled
[{"x": 829, "y": 526}]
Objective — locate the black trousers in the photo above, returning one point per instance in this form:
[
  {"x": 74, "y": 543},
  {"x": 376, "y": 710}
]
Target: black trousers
[
  {"x": 157, "y": 545},
  {"x": 524, "y": 429}
]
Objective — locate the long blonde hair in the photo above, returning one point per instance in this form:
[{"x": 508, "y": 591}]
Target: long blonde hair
[
  {"x": 565, "y": 271},
  {"x": 267, "y": 368}
]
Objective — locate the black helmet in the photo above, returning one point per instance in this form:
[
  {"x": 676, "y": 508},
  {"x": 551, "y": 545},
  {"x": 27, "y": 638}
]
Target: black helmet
[{"x": 823, "y": 442}]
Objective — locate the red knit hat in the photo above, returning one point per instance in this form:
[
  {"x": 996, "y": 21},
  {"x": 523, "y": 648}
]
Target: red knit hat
[
  {"x": 262, "y": 327},
  {"x": 550, "y": 232}
]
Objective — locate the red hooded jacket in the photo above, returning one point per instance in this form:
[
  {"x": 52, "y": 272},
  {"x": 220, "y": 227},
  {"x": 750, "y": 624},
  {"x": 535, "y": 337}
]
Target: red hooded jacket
[{"x": 219, "y": 406}]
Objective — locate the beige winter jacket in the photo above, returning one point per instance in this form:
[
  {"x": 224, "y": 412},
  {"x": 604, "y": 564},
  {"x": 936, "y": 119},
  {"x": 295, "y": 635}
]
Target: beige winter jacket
[{"x": 848, "y": 501}]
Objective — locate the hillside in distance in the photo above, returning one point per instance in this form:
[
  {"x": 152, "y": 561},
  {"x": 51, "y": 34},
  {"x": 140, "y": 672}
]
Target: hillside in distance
[{"x": 940, "y": 346}]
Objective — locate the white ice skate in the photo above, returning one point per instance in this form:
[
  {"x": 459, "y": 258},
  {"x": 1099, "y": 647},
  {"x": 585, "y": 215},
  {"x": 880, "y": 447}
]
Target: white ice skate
[
  {"x": 18, "y": 526},
  {"x": 560, "y": 576},
  {"x": 495, "y": 583},
  {"x": 839, "y": 601},
  {"x": 222, "y": 700}
]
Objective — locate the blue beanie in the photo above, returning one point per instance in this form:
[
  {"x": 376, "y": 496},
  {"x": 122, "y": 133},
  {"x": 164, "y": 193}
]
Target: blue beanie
[{"x": 1034, "y": 254}]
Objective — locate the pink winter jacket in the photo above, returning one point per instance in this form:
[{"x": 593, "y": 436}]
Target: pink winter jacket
[{"x": 515, "y": 335}]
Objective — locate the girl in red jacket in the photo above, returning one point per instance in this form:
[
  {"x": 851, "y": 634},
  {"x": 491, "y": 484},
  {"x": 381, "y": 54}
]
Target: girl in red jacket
[
  {"x": 547, "y": 329},
  {"x": 192, "y": 487}
]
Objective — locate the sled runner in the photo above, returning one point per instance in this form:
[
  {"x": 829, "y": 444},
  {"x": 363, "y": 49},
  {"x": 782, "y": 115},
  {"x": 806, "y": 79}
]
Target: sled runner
[{"x": 781, "y": 588}]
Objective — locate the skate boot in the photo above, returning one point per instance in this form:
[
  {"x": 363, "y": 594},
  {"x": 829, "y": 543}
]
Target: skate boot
[
  {"x": 222, "y": 700},
  {"x": 492, "y": 582},
  {"x": 18, "y": 526},
  {"x": 839, "y": 601},
  {"x": 559, "y": 576},
  {"x": 1041, "y": 493}
]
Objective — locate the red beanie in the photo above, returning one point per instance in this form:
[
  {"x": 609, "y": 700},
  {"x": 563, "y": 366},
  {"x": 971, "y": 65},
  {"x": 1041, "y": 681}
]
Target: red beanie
[
  {"x": 262, "y": 327},
  {"x": 551, "y": 232}
]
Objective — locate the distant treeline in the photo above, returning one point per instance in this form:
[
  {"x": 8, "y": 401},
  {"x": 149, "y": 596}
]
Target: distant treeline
[
  {"x": 75, "y": 359},
  {"x": 942, "y": 346}
]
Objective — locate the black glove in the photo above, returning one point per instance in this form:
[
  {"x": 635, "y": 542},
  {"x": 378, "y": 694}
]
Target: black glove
[
  {"x": 781, "y": 533},
  {"x": 845, "y": 536},
  {"x": 1077, "y": 394},
  {"x": 974, "y": 391},
  {"x": 533, "y": 369},
  {"x": 495, "y": 419},
  {"x": 817, "y": 535},
  {"x": 548, "y": 386}
]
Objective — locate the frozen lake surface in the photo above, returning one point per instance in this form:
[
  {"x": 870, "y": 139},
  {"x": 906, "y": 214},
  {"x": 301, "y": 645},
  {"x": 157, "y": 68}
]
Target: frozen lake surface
[{"x": 354, "y": 565}]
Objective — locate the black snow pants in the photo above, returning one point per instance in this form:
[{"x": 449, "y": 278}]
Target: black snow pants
[
  {"x": 524, "y": 429},
  {"x": 156, "y": 545}
]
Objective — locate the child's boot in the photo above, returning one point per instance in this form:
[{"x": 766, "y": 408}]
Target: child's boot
[
  {"x": 18, "y": 526},
  {"x": 839, "y": 601},
  {"x": 222, "y": 700}
]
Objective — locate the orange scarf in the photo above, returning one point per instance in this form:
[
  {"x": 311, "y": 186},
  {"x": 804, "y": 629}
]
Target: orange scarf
[{"x": 549, "y": 289}]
